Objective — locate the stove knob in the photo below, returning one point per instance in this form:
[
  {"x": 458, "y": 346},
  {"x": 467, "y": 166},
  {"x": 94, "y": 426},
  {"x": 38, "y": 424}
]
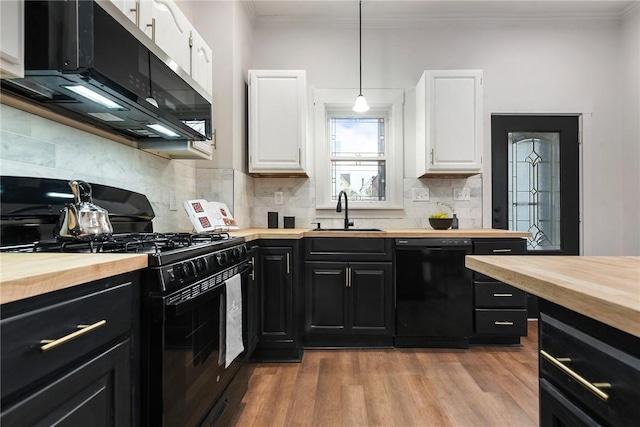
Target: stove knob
[
  {"x": 222, "y": 258},
  {"x": 201, "y": 265},
  {"x": 186, "y": 270},
  {"x": 243, "y": 250},
  {"x": 236, "y": 253}
]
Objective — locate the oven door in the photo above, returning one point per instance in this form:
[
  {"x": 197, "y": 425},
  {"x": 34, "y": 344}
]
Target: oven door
[{"x": 186, "y": 374}]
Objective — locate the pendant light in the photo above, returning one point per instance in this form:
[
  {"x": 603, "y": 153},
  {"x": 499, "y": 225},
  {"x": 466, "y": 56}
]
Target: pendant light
[{"x": 361, "y": 103}]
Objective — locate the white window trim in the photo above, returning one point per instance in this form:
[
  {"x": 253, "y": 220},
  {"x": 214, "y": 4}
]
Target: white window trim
[{"x": 329, "y": 100}]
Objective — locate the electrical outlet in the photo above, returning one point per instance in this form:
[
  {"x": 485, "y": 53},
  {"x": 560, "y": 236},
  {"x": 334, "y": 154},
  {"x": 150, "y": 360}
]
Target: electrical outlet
[
  {"x": 462, "y": 193},
  {"x": 279, "y": 198},
  {"x": 420, "y": 194},
  {"x": 173, "y": 202}
]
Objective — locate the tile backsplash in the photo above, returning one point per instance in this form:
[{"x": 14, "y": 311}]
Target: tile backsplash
[
  {"x": 299, "y": 201},
  {"x": 31, "y": 145},
  {"x": 34, "y": 146}
]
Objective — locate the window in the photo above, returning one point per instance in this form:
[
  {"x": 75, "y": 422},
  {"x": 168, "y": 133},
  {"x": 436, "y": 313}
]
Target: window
[
  {"x": 360, "y": 154},
  {"x": 357, "y": 156}
]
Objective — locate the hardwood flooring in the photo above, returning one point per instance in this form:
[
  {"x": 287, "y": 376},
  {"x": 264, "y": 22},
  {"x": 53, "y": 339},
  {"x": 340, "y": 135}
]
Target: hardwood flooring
[{"x": 481, "y": 386}]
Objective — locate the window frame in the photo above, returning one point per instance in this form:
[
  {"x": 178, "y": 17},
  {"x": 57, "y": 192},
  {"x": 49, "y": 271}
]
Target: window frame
[{"x": 385, "y": 102}]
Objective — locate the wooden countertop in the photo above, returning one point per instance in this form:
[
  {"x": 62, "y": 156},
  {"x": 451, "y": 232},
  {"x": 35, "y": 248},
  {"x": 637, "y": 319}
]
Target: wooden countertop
[
  {"x": 24, "y": 275},
  {"x": 299, "y": 233},
  {"x": 604, "y": 288}
]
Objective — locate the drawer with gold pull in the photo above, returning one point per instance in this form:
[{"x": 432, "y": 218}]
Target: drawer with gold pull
[
  {"x": 500, "y": 322},
  {"x": 596, "y": 376},
  {"x": 37, "y": 342}
]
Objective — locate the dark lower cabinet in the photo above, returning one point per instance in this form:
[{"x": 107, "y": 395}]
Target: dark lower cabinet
[
  {"x": 500, "y": 310},
  {"x": 348, "y": 303},
  {"x": 589, "y": 371},
  {"x": 279, "y": 318},
  {"x": 69, "y": 358},
  {"x": 95, "y": 394},
  {"x": 348, "y": 299}
]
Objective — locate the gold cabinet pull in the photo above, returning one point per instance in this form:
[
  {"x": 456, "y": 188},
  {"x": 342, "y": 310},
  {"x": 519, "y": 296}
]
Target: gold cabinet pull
[
  {"x": 136, "y": 10},
  {"x": 348, "y": 278},
  {"x": 82, "y": 330},
  {"x": 592, "y": 387},
  {"x": 501, "y": 250},
  {"x": 503, "y": 323},
  {"x": 432, "y": 156},
  {"x": 153, "y": 29},
  {"x": 288, "y": 263},
  {"x": 253, "y": 268},
  {"x": 503, "y": 295}
]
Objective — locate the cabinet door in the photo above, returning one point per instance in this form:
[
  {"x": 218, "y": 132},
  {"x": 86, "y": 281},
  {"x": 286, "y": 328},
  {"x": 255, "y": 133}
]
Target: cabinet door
[
  {"x": 130, "y": 8},
  {"x": 201, "y": 65},
  {"x": 11, "y": 38},
  {"x": 326, "y": 286},
  {"x": 276, "y": 296},
  {"x": 96, "y": 393},
  {"x": 277, "y": 121},
  {"x": 371, "y": 298},
  {"x": 252, "y": 318},
  {"x": 167, "y": 26},
  {"x": 449, "y": 122}
]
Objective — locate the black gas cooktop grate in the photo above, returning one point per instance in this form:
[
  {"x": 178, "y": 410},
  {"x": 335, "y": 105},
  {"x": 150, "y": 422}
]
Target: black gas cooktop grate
[{"x": 152, "y": 243}]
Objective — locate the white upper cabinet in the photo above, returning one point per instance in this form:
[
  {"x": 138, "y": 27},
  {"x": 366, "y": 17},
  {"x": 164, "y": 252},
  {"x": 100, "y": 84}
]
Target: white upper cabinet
[
  {"x": 11, "y": 38},
  {"x": 201, "y": 64},
  {"x": 131, "y": 9},
  {"x": 164, "y": 23},
  {"x": 449, "y": 122},
  {"x": 169, "y": 28},
  {"x": 277, "y": 121}
]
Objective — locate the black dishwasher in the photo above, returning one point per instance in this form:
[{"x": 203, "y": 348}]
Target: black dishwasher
[{"x": 434, "y": 293}]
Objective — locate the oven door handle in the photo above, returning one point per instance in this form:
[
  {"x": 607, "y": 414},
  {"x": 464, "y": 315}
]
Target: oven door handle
[{"x": 179, "y": 307}]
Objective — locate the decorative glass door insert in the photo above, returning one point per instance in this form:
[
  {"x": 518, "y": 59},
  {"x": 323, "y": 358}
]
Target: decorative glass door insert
[{"x": 534, "y": 187}]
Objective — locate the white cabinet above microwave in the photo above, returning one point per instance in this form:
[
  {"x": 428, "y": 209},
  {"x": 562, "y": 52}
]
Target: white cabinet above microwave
[
  {"x": 449, "y": 122},
  {"x": 164, "y": 23}
]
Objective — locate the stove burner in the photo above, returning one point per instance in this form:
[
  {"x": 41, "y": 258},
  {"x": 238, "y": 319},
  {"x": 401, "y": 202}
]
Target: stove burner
[{"x": 152, "y": 243}]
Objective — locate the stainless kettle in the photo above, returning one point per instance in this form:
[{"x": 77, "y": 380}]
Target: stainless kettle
[{"x": 83, "y": 220}]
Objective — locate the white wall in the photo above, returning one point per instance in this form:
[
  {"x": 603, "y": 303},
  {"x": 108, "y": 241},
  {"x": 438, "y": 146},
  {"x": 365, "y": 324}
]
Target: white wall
[
  {"x": 630, "y": 154},
  {"x": 532, "y": 67}
]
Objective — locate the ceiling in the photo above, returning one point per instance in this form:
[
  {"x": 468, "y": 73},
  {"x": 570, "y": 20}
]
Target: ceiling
[{"x": 341, "y": 11}]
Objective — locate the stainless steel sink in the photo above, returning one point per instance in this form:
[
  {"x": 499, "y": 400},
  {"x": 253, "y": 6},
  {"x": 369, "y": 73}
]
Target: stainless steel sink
[{"x": 355, "y": 230}]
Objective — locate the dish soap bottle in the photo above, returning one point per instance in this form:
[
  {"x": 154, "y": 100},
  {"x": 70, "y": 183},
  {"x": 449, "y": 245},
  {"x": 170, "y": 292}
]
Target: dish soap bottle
[{"x": 454, "y": 222}]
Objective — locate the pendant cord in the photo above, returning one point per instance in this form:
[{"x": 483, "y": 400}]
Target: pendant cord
[{"x": 360, "y": 27}]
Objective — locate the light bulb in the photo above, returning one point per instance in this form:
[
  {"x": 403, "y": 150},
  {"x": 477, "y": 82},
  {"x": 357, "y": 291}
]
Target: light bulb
[{"x": 361, "y": 105}]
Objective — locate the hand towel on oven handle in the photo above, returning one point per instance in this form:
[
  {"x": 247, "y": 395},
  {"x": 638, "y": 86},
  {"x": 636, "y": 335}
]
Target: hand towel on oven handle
[{"x": 231, "y": 321}]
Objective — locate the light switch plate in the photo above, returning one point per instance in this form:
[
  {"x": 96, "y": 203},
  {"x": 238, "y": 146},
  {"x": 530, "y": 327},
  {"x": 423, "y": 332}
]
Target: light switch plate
[
  {"x": 420, "y": 194},
  {"x": 462, "y": 193},
  {"x": 279, "y": 198}
]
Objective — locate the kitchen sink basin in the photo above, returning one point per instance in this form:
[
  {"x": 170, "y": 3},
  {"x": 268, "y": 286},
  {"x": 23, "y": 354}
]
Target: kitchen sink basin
[{"x": 354, "y": 230}]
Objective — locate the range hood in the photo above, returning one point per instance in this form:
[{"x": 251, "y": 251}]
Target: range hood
[{"x": 96, "y": 67}]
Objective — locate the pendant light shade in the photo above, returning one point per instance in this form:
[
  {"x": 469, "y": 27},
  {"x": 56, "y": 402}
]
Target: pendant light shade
[{"x": 361, "y": 103}]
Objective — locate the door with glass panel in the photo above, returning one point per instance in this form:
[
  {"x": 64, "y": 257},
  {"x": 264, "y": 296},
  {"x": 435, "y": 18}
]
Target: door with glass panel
[{"x": 535, "y": 180}]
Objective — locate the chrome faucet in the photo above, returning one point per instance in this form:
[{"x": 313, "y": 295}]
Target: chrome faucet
[{"x": 347, "y": 223}]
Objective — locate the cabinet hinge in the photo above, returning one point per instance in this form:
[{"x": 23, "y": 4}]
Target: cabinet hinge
[{"x": 190, "y": 41}]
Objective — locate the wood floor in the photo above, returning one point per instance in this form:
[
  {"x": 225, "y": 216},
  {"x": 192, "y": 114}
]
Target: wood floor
[{"x": 482, "y": 386}]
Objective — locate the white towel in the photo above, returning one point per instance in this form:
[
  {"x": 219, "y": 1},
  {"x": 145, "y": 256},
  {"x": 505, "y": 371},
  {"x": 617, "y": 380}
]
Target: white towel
[{"x": 233, "y": 321}]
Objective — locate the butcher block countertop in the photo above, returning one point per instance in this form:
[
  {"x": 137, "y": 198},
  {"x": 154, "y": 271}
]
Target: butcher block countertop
[
  {"x": 24, "y": 275},
  {"x": 605, "y": 288},
  {"x": 299, "y": 233}
]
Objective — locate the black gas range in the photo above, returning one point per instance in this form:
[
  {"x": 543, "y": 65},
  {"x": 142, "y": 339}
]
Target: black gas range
[{"x": 187, "y": 372}]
